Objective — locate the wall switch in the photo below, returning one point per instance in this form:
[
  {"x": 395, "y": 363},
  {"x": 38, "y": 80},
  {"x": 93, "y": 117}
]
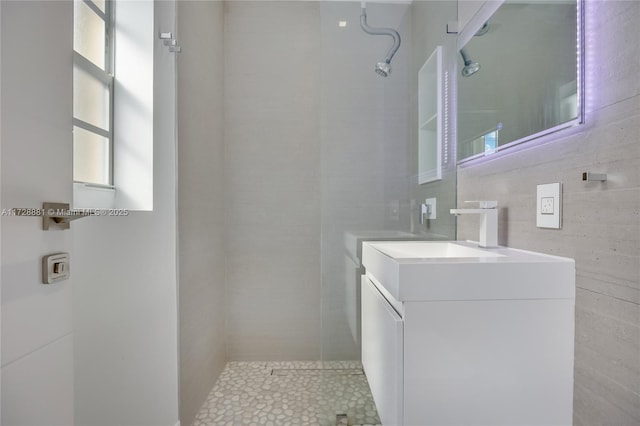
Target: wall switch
[
  {"x": 549, "y": 206},
  {"x": 55, "y": 267}
]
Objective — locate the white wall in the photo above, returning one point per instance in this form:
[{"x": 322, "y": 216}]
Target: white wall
[
  {"x": 125, "y": 299},
  {"x": 601, "y": 227},
  {"x": 37, "y": 338},
  {"x": 201, "y": 202},
  {"x": 133, "y": 105}
]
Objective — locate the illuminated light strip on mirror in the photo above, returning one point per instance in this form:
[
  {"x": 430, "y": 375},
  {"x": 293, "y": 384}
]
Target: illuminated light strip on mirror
[
  {"x": 580, "y": 62},
  {"x": 445, "y": 137}
]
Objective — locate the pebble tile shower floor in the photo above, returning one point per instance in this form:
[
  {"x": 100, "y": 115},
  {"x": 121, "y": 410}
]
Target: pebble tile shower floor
[{"x": 297, "y": 393}]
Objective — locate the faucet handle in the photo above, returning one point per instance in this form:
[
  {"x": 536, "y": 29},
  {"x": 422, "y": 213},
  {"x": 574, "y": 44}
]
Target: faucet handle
[{"x": 485, "y": 204}]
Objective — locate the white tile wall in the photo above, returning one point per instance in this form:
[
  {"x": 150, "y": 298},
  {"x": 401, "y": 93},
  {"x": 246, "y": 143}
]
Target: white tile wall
[
  {"x": 601, "y": 225},
  {"x": 272, "y": 179},
  {"x": 202, "y": 291}
]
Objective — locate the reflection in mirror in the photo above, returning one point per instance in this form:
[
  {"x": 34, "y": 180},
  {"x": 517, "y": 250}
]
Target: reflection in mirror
[{"x": 519, "y": 76}]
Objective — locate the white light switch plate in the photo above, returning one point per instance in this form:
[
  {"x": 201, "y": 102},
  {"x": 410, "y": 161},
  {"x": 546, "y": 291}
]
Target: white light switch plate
[{"x": 549, "y": 206}]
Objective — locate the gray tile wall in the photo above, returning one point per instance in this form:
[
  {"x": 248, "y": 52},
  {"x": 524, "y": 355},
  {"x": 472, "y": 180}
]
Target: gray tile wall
[
  {"x": 272, "y": 177},
  {"x": 364, "y": 143},
  {"x": 601, "y": 228},
  {"x": 202, "y": 290},
  {"x": 315, "y": 145},
  {"x": 428, "y": 24}
]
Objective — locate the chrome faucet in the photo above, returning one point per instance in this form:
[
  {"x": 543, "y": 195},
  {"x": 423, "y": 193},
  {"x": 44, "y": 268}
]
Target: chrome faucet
[{"x": 488, "y": 221}]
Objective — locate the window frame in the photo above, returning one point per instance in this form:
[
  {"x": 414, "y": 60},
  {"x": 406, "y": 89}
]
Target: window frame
[{"x": 106, "y": 77}]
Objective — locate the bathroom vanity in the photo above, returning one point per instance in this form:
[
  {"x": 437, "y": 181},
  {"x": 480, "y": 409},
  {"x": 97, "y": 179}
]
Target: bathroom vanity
[
  {"x": 353, "y": 268},
  {"x": 453, "y": 334}
]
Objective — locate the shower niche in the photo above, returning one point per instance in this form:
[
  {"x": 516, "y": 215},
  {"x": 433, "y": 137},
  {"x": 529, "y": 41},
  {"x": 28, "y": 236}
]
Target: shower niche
[{"x": 430, "y": 118}]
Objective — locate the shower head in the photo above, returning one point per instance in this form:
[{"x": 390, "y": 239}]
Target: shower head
[
  {"x": 383, "y": 68},
  {"x": 470, "y": 67}
]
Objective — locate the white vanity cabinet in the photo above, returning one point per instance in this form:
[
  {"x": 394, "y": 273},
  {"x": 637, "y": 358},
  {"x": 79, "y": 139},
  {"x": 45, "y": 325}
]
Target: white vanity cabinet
[
  {"x": 382, "y": 352},
  {"x": 469, "y": 351},
  {"x": 353, "y": 268}
]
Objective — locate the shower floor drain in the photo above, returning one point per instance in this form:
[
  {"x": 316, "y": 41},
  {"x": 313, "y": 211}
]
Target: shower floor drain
[
  {"x": 317, "y": 372},
  {"x": 342, "y": 420}
]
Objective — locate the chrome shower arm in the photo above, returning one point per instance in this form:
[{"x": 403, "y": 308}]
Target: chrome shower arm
[
  {"x": 381, "y": 31},
  {"x": 465, "y": 56},
  {"x": 470, "y": 67}
]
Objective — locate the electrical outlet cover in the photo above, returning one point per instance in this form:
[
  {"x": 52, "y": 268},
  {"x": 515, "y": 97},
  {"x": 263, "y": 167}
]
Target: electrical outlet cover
[
  {"x": 549, "y": 206},
  {"x": 546, "y": 205}
]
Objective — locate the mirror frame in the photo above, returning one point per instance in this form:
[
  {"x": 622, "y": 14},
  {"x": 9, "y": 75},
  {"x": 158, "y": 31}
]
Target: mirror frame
[{"x": 476, "y": 22}]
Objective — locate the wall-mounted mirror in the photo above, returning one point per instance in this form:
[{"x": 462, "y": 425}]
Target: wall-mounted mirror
[{"x": 519, "y": 74}]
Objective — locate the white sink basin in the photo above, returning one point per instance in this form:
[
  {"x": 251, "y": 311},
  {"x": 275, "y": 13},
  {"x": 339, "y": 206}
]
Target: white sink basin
[
  {"x": 422, "y": 250},
  {"x": 458, "y": 270}
]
